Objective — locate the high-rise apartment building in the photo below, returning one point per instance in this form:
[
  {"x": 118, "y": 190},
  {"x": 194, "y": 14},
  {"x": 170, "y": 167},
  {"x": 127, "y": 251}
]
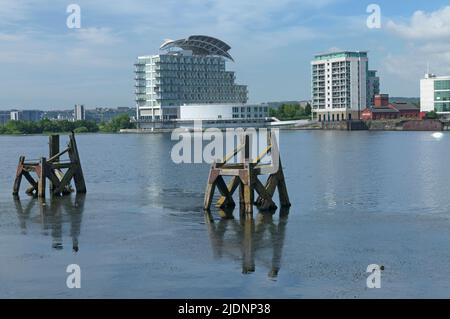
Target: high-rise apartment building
[
  {"x": 79, "y": 113},
  {"x": 339, "y": 85},
  {"x": 190, "y": 71},
  {"x": 435, "y": 94}
]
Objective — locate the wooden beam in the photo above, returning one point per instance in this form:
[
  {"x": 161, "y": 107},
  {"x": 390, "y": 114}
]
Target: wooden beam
[
  {"x": 232, "y": 186},
  {"x": 78, "y": 176},
  {"x": 18, "y": 178},
  {"x": 264, "y": 201},
  {"x": 65, "y": 181},
  {"x": 282, "y": 189},
  {"x": 30, "y": 180},
  {"x": 223, "y": 188},
  {"x": 57, "y": 156},
  {"x": 42, "y": 178}
]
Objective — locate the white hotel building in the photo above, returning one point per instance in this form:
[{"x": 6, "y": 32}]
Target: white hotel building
[
  {"x": 190, "y": 81},
  {"x": 435, "y": 94},
  {"x": 340, "y": 85}
]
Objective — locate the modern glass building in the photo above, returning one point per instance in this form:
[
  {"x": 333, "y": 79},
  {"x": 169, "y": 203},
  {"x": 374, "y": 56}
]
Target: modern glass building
[
  {"x": 435, "y": 94},
  {"x": 339, "y": 84},
  {"x": 190, "y": 71},
  {"x": 373, "y": 87}
]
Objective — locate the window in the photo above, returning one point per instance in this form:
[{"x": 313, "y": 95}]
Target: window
[{"x": 442, "y": 85}]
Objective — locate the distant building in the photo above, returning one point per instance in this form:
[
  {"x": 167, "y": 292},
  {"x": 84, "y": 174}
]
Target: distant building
[
  {"x": 26, "y": 115},
  {"x": 222, "y": 112},
  {"x": 79, "y": 113},
  {"x": 406, "y": 110},
  {"x": 379, "y": 113},
  {"x": 106, "y": 114},
  {"x": 435, "y": 94},
  {"x": 339, "y": 85},
  {"x": 5, "y": 116},
  {"x": 192, "y": 71},
  {"x": 383, "y": 109},
  {"x": 15, "y": 115},
  {"x": 373, "y": 86}
]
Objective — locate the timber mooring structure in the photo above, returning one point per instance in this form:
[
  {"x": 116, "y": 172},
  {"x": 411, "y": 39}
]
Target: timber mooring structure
[
  {"x": 52, "y": 169},
  {"x": 244, "y": 175}
]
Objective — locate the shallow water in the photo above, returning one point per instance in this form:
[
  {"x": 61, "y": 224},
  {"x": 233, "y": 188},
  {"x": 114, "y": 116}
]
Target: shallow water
[{"x": 358, "y": 198}]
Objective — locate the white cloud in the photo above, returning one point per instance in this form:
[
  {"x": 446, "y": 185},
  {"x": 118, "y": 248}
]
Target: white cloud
[
  {"x": 424, "y": 26},
  {"x": 427, "y": 35},
  {"x": 96, "y": 36}
]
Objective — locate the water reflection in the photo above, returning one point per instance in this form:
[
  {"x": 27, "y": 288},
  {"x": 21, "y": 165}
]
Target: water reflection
[
  {"x": 52, "y": 214},
  {"x": 252, "y": 237}
]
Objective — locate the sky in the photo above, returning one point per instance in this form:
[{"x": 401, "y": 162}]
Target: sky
[{"x": 46, "y": 65}]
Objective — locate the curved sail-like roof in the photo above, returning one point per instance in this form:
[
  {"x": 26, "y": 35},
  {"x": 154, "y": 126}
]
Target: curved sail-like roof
[{"x": 200, "y": 45}]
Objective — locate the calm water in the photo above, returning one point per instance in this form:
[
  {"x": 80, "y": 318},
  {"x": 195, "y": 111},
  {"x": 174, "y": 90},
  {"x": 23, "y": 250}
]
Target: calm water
[{"x": 357, "y": 198}]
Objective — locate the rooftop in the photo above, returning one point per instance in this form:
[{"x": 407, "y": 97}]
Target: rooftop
[
  {"x": 341, "y": 54},
  {"x": 435, "y": 77},
  {"x": 401, "y": 106},
  {"x": 383, "y": 109},
  {"x": 200, "y": 45}
]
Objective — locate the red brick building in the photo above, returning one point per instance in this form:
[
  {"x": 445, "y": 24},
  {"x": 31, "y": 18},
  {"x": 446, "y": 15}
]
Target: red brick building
[
  {"x": 384, "y": 110},
  {"x": 407, "y": 110},
  {"x": 379, "y": 113}
]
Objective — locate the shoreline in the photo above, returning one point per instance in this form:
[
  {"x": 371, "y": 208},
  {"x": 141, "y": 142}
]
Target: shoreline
[{"x": 383, "y": 125}]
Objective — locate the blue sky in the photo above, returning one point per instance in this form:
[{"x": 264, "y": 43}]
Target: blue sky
[{"x": 44, "y": 64}]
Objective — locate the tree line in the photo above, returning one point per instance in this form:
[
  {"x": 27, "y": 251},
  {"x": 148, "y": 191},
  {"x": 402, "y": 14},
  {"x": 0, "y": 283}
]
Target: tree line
[
  {"x": 51, "y": 126},
  {"x": 291, "y": 112}
]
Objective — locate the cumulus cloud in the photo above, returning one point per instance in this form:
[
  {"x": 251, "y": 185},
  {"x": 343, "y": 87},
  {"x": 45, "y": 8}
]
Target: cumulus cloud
[
  {"x": 424, "y": 26},
  {"x": 427, "y": 35}
]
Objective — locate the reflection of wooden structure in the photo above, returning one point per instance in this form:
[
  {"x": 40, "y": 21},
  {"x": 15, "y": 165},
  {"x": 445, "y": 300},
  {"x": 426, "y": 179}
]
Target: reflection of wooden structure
[
  {"x": 250, "y": 238},
  {"x": 53, "y": 215},
  {"x": 53, "y": 170},
  {"x": 245, "y": 177}
]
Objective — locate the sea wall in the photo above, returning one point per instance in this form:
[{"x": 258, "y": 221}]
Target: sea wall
[{"x": 387, "y": 125}]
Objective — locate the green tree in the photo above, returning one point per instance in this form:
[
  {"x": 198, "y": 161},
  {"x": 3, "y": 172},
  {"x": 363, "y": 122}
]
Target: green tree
[
  {"x": 46, "y": 126},
  {"x": 117, "y": 123},
  {"x": 432, "y": 115},
  {"x": 308, "y": 109},
  {"x": 289, "y": 112}
]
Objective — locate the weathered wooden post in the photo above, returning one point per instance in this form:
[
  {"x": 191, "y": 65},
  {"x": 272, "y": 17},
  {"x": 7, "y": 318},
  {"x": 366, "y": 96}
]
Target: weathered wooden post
[
  {"x": 52, "y": 169},
  {"x": 42, "y": 174},
  {"x": 78, "y": 176},
  {"x": 19, "y": 175},
  {"x": 245, "y": 176},
  {"x": 53, "y": 142}
]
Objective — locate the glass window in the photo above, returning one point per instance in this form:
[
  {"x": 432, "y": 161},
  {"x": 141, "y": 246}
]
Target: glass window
[{"x": 442, "y": 85}]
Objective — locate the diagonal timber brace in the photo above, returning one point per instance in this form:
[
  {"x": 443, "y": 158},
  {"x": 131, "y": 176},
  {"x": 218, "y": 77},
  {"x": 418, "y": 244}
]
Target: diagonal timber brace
[{"x": 52, "y": 170}]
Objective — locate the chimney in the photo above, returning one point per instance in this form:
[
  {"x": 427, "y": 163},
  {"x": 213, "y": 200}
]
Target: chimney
[{"x": 381, "y": 100}]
